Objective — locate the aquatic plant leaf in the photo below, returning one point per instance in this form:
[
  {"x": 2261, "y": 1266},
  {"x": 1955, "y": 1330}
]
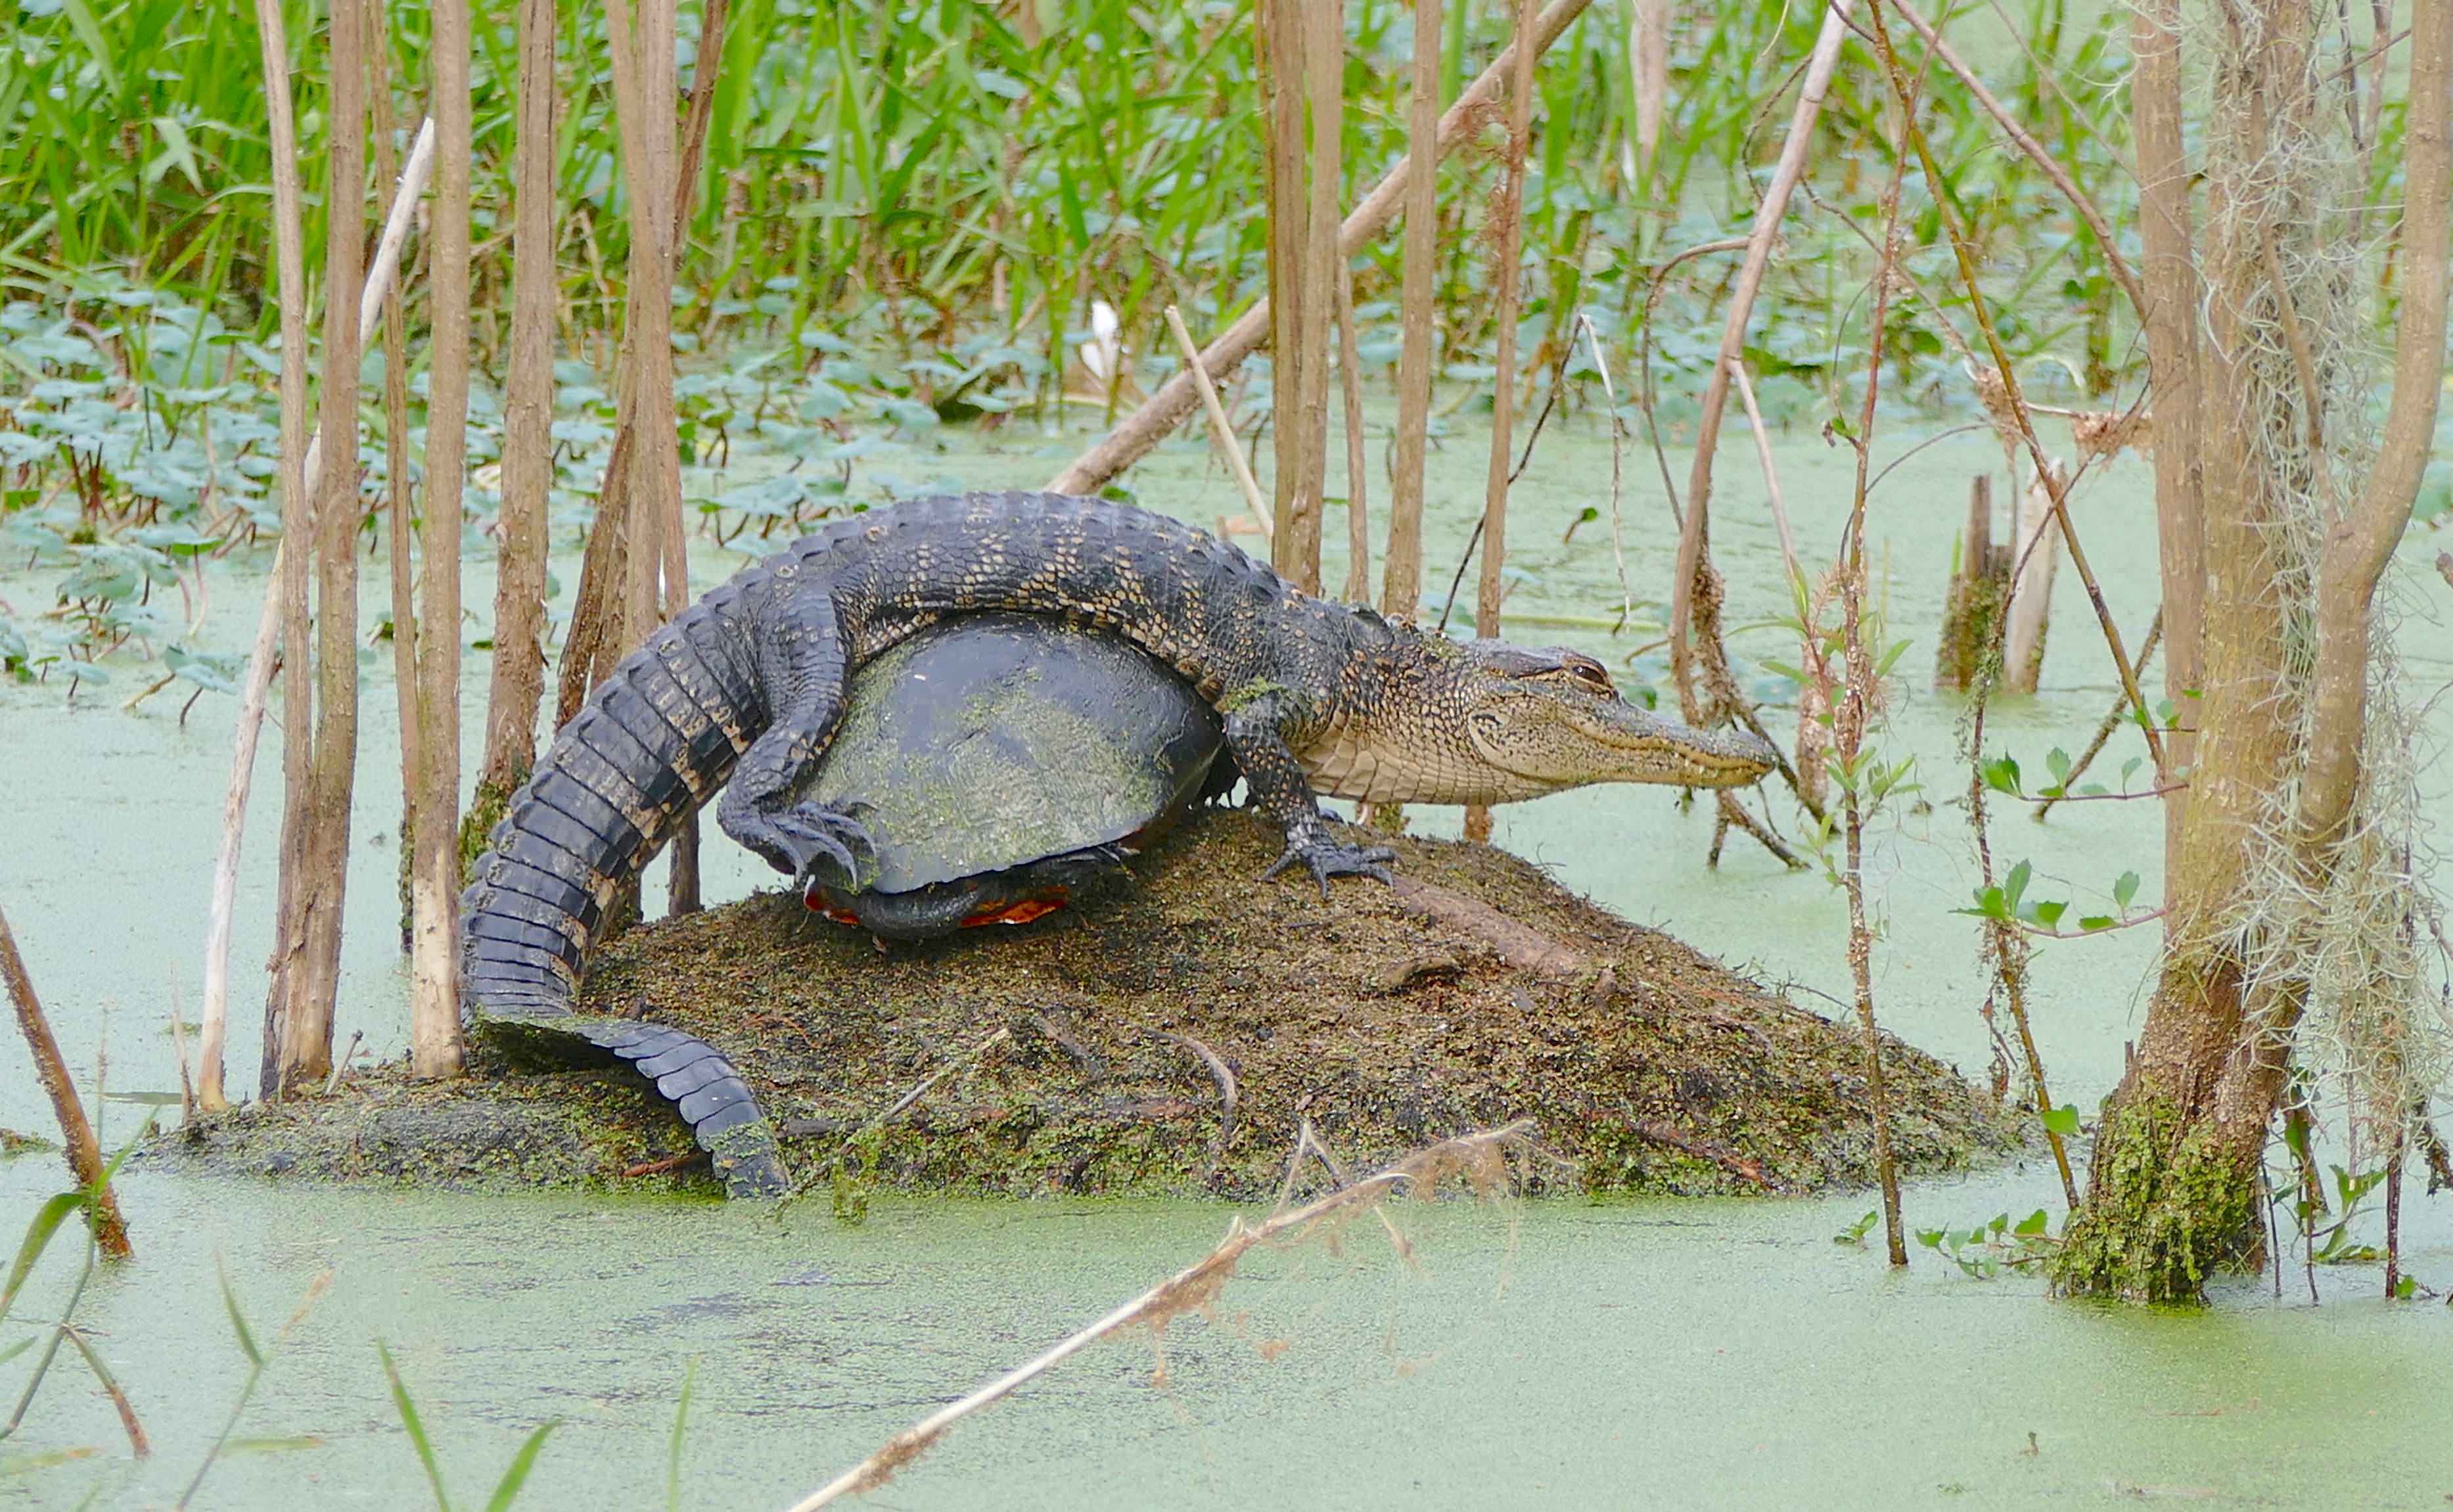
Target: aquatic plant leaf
[
  {"x": 516, "y": 1475},
  {"x": 45, "y": 1222},
  {"x": 238, "y": 1322},
  {"x": 416, "y": 1427}
]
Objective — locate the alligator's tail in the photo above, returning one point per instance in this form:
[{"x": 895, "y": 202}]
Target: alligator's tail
[{"x": 655, "y": 740}]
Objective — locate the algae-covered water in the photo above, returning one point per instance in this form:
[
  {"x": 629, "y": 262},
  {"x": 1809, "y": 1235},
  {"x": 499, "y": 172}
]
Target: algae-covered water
[{"x": 1669, "y": 1353}]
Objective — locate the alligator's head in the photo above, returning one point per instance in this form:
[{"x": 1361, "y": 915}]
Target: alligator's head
[{"x": 1487, "y": 722}]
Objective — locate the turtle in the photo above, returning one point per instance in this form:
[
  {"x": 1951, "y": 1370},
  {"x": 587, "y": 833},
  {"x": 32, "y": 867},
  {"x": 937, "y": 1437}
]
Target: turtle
[{"x": 1002, "y": 764}]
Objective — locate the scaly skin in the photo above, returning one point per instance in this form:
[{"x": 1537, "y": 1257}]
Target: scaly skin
[{"x": 747, "y": 686}]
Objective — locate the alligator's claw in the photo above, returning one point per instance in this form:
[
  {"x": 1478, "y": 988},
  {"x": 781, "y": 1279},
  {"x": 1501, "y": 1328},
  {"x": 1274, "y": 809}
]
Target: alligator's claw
[
  {"x": 811, "y": 833},
  {"x": 1328, "y": 858}
]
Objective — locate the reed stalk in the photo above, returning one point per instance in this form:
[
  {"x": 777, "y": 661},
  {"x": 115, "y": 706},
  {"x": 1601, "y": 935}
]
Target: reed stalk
[
  {"x": 76, "y": 1132},
  {"x": 1401, "y": 590},
  {"x": 320, "y": 760},
  {"x": 278, "y": 627},
  {"x": 518, "y": 672},
  {"x": 434, "y": 996},
  {"x": 1508, "y": 216},
  {"x": 1158, "y": 415},
  {"x": 1358, "y": 467},
  {"x": 270, "y": 652}
]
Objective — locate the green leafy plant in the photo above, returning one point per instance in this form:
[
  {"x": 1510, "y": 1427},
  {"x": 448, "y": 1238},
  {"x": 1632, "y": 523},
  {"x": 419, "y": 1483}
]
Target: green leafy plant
[{"x": 1987, "y": 1250}]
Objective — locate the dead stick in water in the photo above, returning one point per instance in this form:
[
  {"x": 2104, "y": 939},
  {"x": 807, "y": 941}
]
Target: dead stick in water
[
  {"x": 84, "y": 1154},
  {"x": 1186, "y": 1291}
]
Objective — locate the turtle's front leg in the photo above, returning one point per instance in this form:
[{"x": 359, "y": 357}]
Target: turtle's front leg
[
  {"x": 807, "y": 678},
  {"x": 1281, "y": 791}
]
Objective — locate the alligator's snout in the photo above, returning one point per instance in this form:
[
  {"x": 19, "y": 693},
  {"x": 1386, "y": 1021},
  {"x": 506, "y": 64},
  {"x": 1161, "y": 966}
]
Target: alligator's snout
[
  {"x": 1720, "y": 757},
  {"x": 1646, "y": 747}
]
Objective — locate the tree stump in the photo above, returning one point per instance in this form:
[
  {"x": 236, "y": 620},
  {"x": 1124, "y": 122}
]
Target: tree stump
[{"x": 1972, "y": 604}]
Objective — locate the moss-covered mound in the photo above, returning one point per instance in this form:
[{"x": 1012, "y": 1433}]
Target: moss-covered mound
[{"x": 1176, "y": 1037}]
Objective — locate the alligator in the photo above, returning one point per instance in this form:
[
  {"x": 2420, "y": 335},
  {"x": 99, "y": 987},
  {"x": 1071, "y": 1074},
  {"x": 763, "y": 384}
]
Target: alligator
[{"x": 743, "y": 690}]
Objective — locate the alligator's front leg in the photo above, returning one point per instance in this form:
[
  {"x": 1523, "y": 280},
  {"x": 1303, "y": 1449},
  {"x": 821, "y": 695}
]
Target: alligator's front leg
[
  {"x": 1254, "y": 734},
  {"x": 807, "y": 677}
]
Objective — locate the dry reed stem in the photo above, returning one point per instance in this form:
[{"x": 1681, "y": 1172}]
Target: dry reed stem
[
  {"x": 435, "y": 887},
  {"x": 319, "y": 771},
  {"x": 1617, "y": 466},
  {"x": 1230, "y": 1098},
  {"x": 265, "y": 656},
  {"x": 1771, "y": 475},
  {"x": 1324, "y": 70},
  {"x": 1509, "y": 215},
  {"x": 1221, "y": 429},
  {"x": 395, "y": 504},
  {"x": 1480, "y": 1157},
  {"x": 1159, "y": 414},
  {"x": 1651, "y": 69},
  {"x": 1358, "y": 468},
  {"x": 612, "y": 586},
  {"x": 1401, "y": 582},
  {"x": 1694, "y": 628},
  {"x": 77, "y": 1134},
  {"x": 1697, "y": 654},
  {"x": 1859, "y": 694},
  {"x": 1279, "y": 39},
  {"x": 517, "y": 678},
  {"x": 1813, "y": 707},
  {"x": 918, "y": 1091}
]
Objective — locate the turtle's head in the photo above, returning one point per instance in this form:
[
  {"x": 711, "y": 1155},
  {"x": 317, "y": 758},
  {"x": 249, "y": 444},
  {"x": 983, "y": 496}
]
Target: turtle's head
[{"x": 1551, "y": 719}]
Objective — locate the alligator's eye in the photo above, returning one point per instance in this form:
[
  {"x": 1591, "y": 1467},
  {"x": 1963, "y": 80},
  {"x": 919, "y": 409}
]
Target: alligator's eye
[{"x": 1588, "y": 673}]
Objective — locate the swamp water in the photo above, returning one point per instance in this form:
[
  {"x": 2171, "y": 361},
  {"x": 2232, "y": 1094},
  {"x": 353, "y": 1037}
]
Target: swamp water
[{"x": 1567, "y": 1353}]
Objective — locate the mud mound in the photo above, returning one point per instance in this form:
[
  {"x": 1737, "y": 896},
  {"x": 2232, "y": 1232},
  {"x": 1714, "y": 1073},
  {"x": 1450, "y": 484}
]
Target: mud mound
[{"x": 1176, "y": 1037}]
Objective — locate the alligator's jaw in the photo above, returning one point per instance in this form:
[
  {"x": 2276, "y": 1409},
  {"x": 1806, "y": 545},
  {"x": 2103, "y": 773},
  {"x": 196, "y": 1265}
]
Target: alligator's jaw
[{"x": 1533, "y": 752}]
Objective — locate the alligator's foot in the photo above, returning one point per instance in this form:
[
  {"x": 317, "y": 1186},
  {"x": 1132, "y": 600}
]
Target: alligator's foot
[
  {"x": 819, "y": 842},
  {"x": 715, "y": 1102},
  {"x": 1329, "y": 858}
]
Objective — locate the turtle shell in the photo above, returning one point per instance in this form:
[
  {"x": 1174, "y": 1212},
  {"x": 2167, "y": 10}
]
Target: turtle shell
[{"x": 993, "y": 741}]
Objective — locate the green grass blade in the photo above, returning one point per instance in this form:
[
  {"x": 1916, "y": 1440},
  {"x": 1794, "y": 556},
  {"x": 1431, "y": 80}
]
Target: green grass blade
[
  {"x": 238, "y": 1320},
  {"x": 681, "y": 1425},
  {"x": 416, "y": 1427},
  {"x": 516, "y": 1475},
  {"x": 81, "y": 21},
  {"x": 48, "y": 1220}
]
